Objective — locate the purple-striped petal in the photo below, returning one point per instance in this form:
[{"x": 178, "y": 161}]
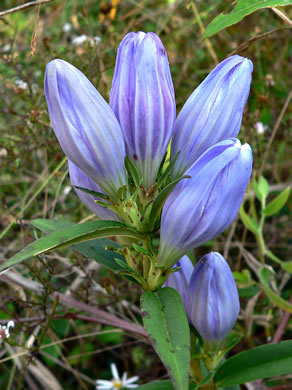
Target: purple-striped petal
[
  {"x": 142, "y": 97},
  {"x": 200, "y": 208},
  {"x": 213, "y": 301},
  {"x": 85, "y": 126},
  {"x": 180, "y": 279},
  {"x": 213, "y": 112},
  {"x": 80, "y": 179}
]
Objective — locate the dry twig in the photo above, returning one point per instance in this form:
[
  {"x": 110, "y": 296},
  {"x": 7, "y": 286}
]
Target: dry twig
[{"x": 23, "y": 6}]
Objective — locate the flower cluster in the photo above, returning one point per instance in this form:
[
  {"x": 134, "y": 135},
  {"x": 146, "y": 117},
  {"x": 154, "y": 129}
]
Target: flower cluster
[{"x": 117, "y": 152}]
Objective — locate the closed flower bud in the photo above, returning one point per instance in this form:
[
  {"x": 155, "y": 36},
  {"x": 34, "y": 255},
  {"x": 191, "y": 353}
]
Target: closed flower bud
[
  {"x": 85, "y": 126},
  {"x": 179, "y": 280},
  {"x": 213, "y": 112},
  {"x": 80, "y": 179},
  {"x": 200, "y": 208},
  {"x": 142, "y": 97},
  {"x": 213, "y": 302}
]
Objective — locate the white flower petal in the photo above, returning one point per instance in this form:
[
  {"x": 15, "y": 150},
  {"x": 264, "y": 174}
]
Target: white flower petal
[{"x": 115, "y": 373}]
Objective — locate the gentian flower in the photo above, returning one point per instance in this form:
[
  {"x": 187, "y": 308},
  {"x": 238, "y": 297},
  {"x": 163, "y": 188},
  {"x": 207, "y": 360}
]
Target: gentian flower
[
  {"x": 86, "y": 127},
  {"x": 179, "y": 280},
  {"x": 142, "y": 97},
  {"x": 80, "y": 179},
  {"x": 212, "y": 113},
  {"x": 200, "y": 208},
  {"x": 213, "y": 301},
  {"x": 210, "y": 295}
]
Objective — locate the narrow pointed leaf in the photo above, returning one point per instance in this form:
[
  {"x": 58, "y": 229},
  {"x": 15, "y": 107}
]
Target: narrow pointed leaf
[
  {"x": 242, "y": 9},
  {"x": 264, "y": 275},
  {"x": 167, "y": 326},
  {"x": 265, "y": 361},
  {"x": 94, "y": 249},
  {"x": 276, "y": 204},
  {"x": 71, "y": 235},
  {"x": 248, "y": 221}
]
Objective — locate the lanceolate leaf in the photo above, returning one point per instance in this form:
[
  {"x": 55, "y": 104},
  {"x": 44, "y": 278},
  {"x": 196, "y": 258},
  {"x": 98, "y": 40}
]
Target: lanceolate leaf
[
  {"x": 167, "y": 326},
  {"x": 248, "y": 222},
  {"x": 264, "y": 275},
  {"x": 265, "y": 361},
  {"x": 242, "y": 9},
  {"x": 72, "y": 235},
  {"x": 276, "y": 204},
  {"x": 94, "y": 249}
]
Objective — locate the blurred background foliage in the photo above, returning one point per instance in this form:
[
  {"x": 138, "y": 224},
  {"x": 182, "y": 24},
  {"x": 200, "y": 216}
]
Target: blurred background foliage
[{"x": 35, "y": 184}]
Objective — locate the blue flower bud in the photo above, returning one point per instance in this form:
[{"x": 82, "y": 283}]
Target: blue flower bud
[
  {"x": 85, "y": 126},
  {"x": 179, "y": 280},
  {"x": 200, "y": 208},
  {"x": 80, "y": 179},
  {"x": 213, "y": 302},
  {"x": 213, "y": 112},
  {"x": 142, "y": 97}
]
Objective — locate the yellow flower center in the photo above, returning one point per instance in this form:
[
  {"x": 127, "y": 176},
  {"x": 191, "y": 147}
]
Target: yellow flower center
[{"x": 117, "y": 384}]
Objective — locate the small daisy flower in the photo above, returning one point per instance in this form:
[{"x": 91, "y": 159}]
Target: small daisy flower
[
  {"x": 4, "y": 330},
  {"x": 260, "y": 128},
  {"x": 79, "y": 40},
  {"x": 117, "y": 382}
]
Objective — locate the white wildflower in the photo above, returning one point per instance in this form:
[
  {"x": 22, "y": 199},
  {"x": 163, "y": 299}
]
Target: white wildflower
[
  {"x": 4, "y": 330},
  {"x": 260, "y": 128},
  {"x": 117, "y": 382},
  {"x": 67, "y": 27},
  {"x": 79, "y": 40},
  {"x": 21, "y": 84}
]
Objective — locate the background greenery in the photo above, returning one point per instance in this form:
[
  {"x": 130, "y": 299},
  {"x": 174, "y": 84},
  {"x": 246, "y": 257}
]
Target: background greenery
[{"x": 51, "y": 341}]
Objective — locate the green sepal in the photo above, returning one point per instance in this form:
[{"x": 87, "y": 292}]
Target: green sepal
[
  {"x": 132, "y": 171},
  {"x": 94, "y": 193},
  {"x": 159, "y": 203},
  {"x": 141, "y": 250},
  {"x": 167, "y": 171},
  {"x": 130, "y": 272}
]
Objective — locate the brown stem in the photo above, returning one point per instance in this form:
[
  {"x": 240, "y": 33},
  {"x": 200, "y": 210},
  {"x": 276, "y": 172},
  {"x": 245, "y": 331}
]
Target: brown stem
[{"x": 23, "y": 6}]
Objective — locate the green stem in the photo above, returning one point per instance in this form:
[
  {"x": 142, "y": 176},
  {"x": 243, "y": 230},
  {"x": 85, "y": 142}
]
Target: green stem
[{"x": 260, "y": 237}]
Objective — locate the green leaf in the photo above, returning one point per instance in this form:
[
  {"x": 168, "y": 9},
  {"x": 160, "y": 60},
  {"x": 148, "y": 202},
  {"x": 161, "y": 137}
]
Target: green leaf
[
  {"x": 263, "y": 187},
  {"x": 50, "y": 225},
  {"x": 167, "y": 326},
  {"x": 242, "y": 9},
  {"x": 71, "y": 235},
  {"x": 248, "y": 222},
  {"x": 160, "y": 200},
  {"x": 264, "y": 275},
  {"x": 157, "y": 385},
  {"x": 286, "y": 265},
  {"x": 265, "y": 361},
  {"x": 94, "y": 249},
  {"x": 276, "y": 204}
]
